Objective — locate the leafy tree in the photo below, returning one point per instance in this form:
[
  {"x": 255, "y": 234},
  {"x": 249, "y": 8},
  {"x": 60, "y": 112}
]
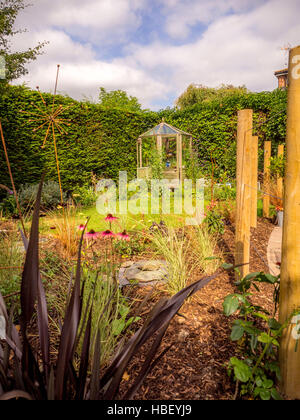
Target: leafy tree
[
  {"x": 118, "y": 99},
  {"x": 15, "y": 62},
  {"x": 197, "y": 94}
]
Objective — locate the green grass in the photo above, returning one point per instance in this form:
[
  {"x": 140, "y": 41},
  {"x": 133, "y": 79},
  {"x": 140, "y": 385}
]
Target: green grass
[{"x": 130, "y": 222}]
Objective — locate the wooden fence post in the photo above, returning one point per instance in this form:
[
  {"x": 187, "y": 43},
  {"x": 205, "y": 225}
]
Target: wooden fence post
[
  {"x": 279, "y": 178},
  {"x": 266, "y": 184},
  {"x": 243, "y": 195},
  {"x": 290, "y": 262},
  {"x": 254, "y": 174}
]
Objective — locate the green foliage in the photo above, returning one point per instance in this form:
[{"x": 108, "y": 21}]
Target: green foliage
[
  {"x": 277, "y": 166},
  {"x": 135, "y": 246},
  {"x": 99, "y": 142},
  {"x": 156, "y": 163},
  {"x": 50, "y": 195},
  {"x": 15, "y": 61},
  {"x": 257, "y": 333},
  {"x": 213, "y": 221},
  {"x": 118, "y": 99},
  {"x": 214, "y": 124},
  {"x": 8, "y": 206},
  {"x": 110, "y": 310},
  {"x": 203, "y": 94},
  {"x": 192, "y": 165},
  {"x": 11, "y": 256},
  {"x": 85, "y": 196}
]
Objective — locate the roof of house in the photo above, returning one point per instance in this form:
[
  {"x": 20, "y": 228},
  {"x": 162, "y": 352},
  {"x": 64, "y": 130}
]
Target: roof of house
[{"x": 281, "y": 72}]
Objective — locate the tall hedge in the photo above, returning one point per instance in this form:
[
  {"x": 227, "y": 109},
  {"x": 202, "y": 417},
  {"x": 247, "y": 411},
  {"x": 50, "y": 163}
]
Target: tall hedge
[
  {"x": 102, "y": 141},
  {"x": 99, "y": 141}
]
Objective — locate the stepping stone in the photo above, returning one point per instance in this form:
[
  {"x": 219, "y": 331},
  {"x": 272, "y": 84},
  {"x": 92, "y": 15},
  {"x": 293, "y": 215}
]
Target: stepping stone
[{"x": 143, "y": 272}]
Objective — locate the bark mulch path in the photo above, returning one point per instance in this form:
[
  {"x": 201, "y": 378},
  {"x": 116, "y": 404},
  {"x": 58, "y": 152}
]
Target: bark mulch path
[{"x": 195, "y": 366}]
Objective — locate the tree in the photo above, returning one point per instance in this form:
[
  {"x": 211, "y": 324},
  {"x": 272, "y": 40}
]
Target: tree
[
  {"x": 118, "y": 99},
  {"x": 196, "y": 94},
  {"x": 15, "y": 62}
]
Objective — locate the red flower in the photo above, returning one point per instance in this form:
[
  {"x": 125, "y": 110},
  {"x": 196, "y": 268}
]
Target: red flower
[
  {"x": 91, "y": 234},
  {"x": 110, "y": 218},
  {"x": 107, "y": 234},
  {"x": 124, "y": 236},
  {"x": 81, "y": 227}
]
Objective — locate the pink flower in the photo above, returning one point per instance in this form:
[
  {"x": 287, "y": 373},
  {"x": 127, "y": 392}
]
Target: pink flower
[
  {"x": 80, "y": 227},
  {"x": 124, "y": 236},
  {"x": 107, "y": 234},
  {"x": 91, "y": 234},
  {"x": 110, "y": 218}
]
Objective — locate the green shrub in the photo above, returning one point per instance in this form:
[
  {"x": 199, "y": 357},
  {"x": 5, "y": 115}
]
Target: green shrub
[
  {"x": 8, "y": 206},
  {"x": 50, "y": 196},
  {"x": 85, "y": 196}
]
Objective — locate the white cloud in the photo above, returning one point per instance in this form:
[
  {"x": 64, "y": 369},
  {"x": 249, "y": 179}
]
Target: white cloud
[
  {"x": 91, "y": 20},
  {"x": 81, "y": 73},
  {"x": 240, "y": 45}
]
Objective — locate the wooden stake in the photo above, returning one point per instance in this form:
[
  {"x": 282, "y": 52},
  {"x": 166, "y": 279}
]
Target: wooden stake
[
  {"x": 279, "y": 179},
  {"x": 290, "y": 259},
  {"x": 266, "y": 186},
  {"x": 254, "y": 174},
  {"x": 243, "y": 201}
]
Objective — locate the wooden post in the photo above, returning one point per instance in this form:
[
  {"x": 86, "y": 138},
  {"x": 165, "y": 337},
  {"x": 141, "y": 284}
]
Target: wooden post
[
  {"x": 141, "y": 154},
  {"x": 137, "y": 153},
  {"x": 290, "y": 259},
  {"x": 254, "y": 174},
  {"x": 266, "y": 186},
  {"x": 177, "y": 156},
  {"x": 243, "y": 181},
  {"x": 180, "y": 158},
  {"x": 279, "y": 180}
]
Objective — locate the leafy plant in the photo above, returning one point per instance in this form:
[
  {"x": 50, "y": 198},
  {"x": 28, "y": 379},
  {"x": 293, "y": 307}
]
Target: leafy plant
[
  {"x": 85, "y": 196},
  {"x": 277, "y": 166},
  {"x": 134, "y": 246},
  {"x": 257, "y": 332},
  {"x": 214, "y": 222}
]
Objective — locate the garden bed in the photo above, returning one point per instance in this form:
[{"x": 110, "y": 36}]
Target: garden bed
[{"x": 195, "y": 366}]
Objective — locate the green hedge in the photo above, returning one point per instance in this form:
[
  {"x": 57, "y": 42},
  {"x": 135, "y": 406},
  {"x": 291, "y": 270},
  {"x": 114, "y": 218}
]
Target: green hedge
[
  {"x": 98, "y": 141},
  {"x": 103, "y": 141}
]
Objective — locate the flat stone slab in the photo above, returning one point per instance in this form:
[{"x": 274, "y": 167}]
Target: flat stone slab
[
  {"x": 274, "y": 251},
  {"x": 147, "y": 272}
]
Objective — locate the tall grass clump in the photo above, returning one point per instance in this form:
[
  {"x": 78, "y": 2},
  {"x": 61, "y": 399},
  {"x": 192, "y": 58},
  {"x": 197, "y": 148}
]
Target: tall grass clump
[
  {"x": 174, "y": 248},
  {"x": 204, "y": 247},
  {"x": 109, "y": 311},
  {"x": 64, "y": 228},
  {"x": 11, "y": 261}
]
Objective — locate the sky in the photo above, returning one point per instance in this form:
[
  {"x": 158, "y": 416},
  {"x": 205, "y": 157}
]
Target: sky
[{"x": 154, "y": 49}]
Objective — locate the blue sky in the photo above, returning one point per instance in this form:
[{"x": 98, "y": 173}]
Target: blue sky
[{"x": 154, "y": 49}]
